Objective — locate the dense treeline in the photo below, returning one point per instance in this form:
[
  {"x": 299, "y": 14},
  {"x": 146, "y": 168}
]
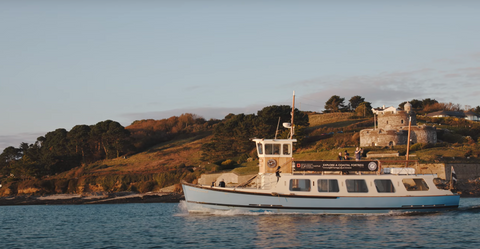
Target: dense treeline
[
  {"x": 231, "y": 137},
  {"x": 62, "y": 150}
]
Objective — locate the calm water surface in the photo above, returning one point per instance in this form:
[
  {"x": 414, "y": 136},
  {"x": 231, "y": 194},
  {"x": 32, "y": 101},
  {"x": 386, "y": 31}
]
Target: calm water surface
[{"x": 165, "y": 225}]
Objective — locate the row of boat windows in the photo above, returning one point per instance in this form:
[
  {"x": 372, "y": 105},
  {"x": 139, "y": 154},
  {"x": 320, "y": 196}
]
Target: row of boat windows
[
  {"x": 274, "y": 149},
  {"x": 357, "y": 185}
]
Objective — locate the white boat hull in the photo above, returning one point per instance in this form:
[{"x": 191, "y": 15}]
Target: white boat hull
[{"x": 205, "y": 199}]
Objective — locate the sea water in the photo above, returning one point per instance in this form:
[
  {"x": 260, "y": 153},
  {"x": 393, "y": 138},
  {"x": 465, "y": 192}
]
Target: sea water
[{"x": 167, "y": 225}]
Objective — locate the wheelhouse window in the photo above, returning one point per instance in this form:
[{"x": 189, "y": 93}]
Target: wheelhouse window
[
  {"x": 300, "y": 185},
  {"x": 356, "y": 186},
  {"x": 272, "y": 149},
  {"x": 260, "y": 149},
  {"x": 286, "y": 149},
  {"x": 415, "y": 184},
  {"x": 327, "y": 185},
  {"x": 384, "y": 186}
]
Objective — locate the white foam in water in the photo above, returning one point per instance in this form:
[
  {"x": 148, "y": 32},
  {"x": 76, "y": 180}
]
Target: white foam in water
[{"x": 182, "y": 207}]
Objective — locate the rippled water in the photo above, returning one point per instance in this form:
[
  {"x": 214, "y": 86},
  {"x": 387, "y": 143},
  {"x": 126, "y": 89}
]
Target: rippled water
[{"x": 165, "y": 225}]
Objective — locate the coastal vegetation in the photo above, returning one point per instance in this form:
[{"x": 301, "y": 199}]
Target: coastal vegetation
[{"x": 149, "y": 155}]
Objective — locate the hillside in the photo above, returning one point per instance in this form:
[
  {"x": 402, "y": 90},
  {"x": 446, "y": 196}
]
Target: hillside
[{"x": 166, "y": 163}]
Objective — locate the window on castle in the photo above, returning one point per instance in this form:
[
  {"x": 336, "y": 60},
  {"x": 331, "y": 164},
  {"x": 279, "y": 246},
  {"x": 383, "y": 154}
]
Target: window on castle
[
  {"x": 387, "y": 122},
  {"x": 402, "y": 121}
]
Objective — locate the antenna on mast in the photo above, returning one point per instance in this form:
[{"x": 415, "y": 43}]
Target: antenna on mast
[
  {"x": 293, "y": 111},
  {"x": 290, "y": 125}
]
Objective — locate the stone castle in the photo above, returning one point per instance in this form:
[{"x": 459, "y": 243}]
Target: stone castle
[{"x": 392, "y": 128}]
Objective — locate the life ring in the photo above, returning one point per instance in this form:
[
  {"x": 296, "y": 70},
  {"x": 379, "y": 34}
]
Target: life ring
[{"x": 272, "y": 163}]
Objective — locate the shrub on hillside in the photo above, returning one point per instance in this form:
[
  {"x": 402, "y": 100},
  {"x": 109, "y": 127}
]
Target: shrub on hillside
[
  {"x": 61, "y": 186},
  {"x": 146, "y": 186},
  {"x": 451, "y": 137},
  {"x": 72, "y": 186},
  {"x": 468, "y": 153},
  {"x": 227, "y": 164},
  {"x": 415, "y": 147}
]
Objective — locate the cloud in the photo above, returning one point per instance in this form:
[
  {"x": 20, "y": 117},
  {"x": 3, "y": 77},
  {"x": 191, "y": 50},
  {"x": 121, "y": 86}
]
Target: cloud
[{"x": 470, "y": 72}]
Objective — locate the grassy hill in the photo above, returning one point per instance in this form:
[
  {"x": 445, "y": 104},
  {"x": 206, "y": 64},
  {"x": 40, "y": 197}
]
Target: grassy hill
[{"x": 181, "y": 158}]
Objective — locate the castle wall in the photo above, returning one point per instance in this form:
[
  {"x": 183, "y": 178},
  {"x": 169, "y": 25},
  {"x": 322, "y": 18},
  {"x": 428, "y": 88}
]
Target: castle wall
[
  {"x": 393, "y": 121},
  {"x": 424, "y": 134},
  {"x": 380, "y": 137}
]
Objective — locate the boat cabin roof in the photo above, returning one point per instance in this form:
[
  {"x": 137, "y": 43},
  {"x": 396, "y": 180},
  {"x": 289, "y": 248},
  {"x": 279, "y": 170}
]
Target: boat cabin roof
[{"x": 274, "y": 147}]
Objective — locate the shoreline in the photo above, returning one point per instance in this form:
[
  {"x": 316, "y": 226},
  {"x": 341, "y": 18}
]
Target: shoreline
[{"x": 75, "y": 199}]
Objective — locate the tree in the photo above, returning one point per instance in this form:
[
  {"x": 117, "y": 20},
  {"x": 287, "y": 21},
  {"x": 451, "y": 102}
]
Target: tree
[
  {"x": 364, "y": 110},
  {"x": 79, "y": 137},
  {"x": 269, "y": 116},
  {"x": 427, "y": 102},
  {"x": 9, "y": 156},
  {"x": 335, "y": 104},
  {"x": 56, "y": 156},
  {"x": 355, "y": 101},
  {"x": 477, "y": 110},
  {"x": 110, "y": 135}
]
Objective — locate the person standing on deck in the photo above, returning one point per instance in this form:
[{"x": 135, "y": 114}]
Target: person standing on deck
[
  {"x": 358, "y": 154},
  {"x": 347, "y": 155},
  {"x": 277, "y": 173},
  {"x": 340, "y": 156}
]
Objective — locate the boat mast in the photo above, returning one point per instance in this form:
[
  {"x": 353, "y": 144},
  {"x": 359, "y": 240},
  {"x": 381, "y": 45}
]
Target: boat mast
[
  {"x": 293, "y": 111},
  {"x": 408, "y": 140}
]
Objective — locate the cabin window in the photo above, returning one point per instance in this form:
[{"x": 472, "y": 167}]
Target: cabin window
[
  {"x": 328, "y": 185},
  {"x": 415, "y": 184},
  {"x": 356, "y": 186},
  {"x": 384, "y": 186},
  {"x": 260, "y": 149},
  {"x": 300, "y": 185},
  {"x": 286, "y": 149},
  {"x": 272, "y": 149}
]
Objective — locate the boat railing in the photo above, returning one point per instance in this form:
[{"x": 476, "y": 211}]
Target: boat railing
[{"x": 247, "y": 182}]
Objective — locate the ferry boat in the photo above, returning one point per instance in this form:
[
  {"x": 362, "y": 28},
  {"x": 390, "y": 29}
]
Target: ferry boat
[{"x": 286, "y": 185}]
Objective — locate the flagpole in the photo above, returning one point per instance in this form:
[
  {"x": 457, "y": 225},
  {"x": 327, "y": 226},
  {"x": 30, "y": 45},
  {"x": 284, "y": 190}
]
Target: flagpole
[{"x": 451, "y": 178}]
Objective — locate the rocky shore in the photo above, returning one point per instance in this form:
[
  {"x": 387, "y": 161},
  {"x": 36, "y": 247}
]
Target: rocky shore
[{"x": 105, "y": 198}]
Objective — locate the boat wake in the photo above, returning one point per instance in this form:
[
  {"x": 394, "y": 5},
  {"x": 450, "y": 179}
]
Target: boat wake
[{"x": 182, "y": 210}]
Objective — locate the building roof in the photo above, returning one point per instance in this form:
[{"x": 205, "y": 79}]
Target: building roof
[{"x": 383, "y": 110}]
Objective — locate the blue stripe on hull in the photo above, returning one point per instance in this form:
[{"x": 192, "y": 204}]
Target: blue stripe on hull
[{"x": 198, "y": 200}]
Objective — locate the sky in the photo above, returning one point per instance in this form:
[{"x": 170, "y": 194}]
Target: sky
[{"x": 66, "y": 63}]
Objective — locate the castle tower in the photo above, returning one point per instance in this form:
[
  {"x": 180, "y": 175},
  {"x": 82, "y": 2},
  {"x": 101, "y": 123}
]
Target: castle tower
[{"x": 393, "y": 128}]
